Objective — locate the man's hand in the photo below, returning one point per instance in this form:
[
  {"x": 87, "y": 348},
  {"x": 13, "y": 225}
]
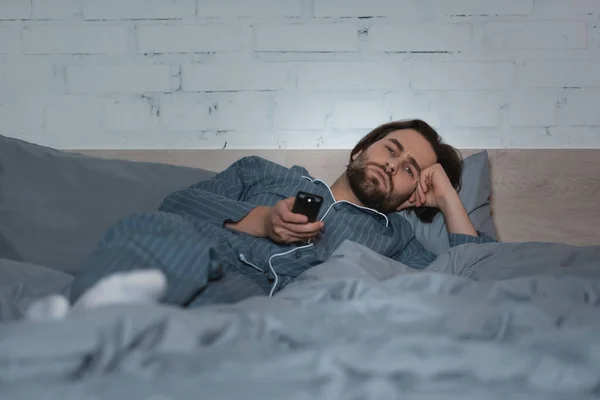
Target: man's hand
[
  {"x": 284, "y": 226},
  {"x": 278, "y": 223},
  {"x": 434, "y": 189}
]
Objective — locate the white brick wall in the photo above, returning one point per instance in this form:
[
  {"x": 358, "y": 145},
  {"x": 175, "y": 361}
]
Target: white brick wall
[
  {"x": 129, "y": 116},
  {"x": 235, "y": 76},
  {"x": 245, "y": 8},
  {"x": 324, "y": 38},
  {"x": 536, "y": 35},
  {"x": 361, "y": 8},
  {"x": 15, "y": 9},
  {"x": 298, "y": 73},
  {"x": 188, "y": 38},
  {"x": 137, "y": 9},
  {"x": 426, "y": 36},
  {"x": 352, "y": 76},
  {"x": 118, "y": 79},
  {"x": 56, "y": 9},
  {"x": 74, "y": 39},
  {"x": 9, "y": 39},
  {"x": 463, "y": 75},
  {"x": 477, "y": 7}
]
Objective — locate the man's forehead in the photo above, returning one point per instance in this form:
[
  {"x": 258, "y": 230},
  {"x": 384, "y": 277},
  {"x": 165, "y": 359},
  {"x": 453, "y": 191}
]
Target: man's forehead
[{"x": 415, "y": 144}]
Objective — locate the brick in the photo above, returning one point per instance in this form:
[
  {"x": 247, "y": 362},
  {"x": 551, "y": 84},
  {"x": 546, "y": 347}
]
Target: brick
[
  {"x": 532, "y": 109},
  {"x": 74, "y": 39},
  {"x": 430, "y": 37},
  {"x": 187, "y": 116},
  {"x": 352, "y": 76},
  {"x": 306, "y": 38},
  {"x": 358, "y": 115},
  {"x": 235, "y": 77},
  {"x": 10, "y": 39},
  {"x": 56, "y": 9},
  {"x": 244, "y": 111},
  {"x": 301, "y": 111},
  {"x": 246, "y": 140},
  {"x": 15, "y": 9},
  {"x": 536, "y": 35},
  {"x": 19, "y": 77},
  {"x": 343, "y": 140},
  {"x": 561, "y": 8},
  {"x": 409, "y": 105},
  {"x": 137, "y": 9},
  {"x": 559, "y": 73},
  {"x": 581, "y": 108},
  {"x": 477, "y": 7},
  {"x": 463, "y": 75},
  {"x": 188, "y": 38},
  {"x": 118, "y": 79},
  {"x": 73, "y": 116},
  {"x": 305, "y": 139},
  {"x": 474, "y": 138},
  {"x": 362, "y": 8},
  {"x": 236, "y": 140},
  {"x": 474, "y": 110},
  {"x": 245, "y": 8},
  {"x": 129, "y": 116},
  {"x": 20, "y": 116}
]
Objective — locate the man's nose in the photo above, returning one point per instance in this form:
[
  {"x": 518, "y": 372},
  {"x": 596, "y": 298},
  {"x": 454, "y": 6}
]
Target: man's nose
[{"x": 390, "y": 167}]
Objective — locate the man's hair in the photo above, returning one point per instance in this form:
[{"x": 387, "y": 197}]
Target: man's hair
[{"x": 447, "y": 156}]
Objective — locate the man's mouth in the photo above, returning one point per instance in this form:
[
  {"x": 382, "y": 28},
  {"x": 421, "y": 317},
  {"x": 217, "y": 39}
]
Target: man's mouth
[{"x": 381, "y": 175}]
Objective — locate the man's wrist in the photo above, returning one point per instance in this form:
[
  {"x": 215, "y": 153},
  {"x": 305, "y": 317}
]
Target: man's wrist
[
  {"x": 264, "y": 214},
  {"x": 255, "y": 223},
  {"x": 449, "y": 202}
]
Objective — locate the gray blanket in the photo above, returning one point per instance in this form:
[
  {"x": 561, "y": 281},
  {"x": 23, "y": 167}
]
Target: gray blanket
[{"x": 493, "y": 321}]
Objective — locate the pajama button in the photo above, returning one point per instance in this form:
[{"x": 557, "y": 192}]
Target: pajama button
[{"x": 298, "y": 254}]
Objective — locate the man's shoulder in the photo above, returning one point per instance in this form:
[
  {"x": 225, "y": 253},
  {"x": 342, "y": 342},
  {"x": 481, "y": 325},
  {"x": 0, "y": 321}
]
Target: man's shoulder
[{"x": 268, "y": 166}]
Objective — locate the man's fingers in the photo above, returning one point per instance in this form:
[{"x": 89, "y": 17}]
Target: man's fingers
[
  {"x": 292, "y": 218},
  {"x": 423, "y": 185},
  {"x": 421, "y": 196},
  {"x": 287, "y": 236},
  {"x": 285, "y": 212},
  {"x": 309, "y": 228}
]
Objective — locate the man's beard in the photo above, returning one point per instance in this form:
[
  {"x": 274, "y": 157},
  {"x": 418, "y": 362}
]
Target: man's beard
[{"x": 369, "y": 191}]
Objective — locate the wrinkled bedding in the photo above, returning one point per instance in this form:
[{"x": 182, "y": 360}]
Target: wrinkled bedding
[{"x": 492, "y": 321}]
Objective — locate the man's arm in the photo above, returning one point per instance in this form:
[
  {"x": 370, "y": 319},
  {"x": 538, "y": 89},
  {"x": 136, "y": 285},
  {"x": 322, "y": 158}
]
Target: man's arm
[
  {"x": 254, "y": 223},
  {"x": 278, "y": 223},
  {"x": 415, "y": 255},
  {"x": 435, "y": 190},
  {"x": 459, "y": 225},
  {"x": 457, "y": 219},
  {"x": 219, "y": 199}
]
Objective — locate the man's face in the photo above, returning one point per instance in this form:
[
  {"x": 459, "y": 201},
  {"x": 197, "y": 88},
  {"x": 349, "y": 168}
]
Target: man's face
[{"x": 385, "y": 175}]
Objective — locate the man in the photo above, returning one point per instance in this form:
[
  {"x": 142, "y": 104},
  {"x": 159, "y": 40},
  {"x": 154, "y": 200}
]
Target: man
[{"x": 234, "y": 236}]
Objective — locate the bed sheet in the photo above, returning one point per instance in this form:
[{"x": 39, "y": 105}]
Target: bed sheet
[{"x": 498, "y": 320}]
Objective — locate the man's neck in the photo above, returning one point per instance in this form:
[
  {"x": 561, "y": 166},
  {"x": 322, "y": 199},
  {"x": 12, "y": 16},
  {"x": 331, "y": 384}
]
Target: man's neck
[{"x": 341, "y": 190}]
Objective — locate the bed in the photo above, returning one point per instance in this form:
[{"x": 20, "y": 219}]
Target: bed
[{"x": 514, "y": 319}]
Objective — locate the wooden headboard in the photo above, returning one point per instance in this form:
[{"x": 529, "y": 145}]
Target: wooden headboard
[{"x": 537, "y": 195}]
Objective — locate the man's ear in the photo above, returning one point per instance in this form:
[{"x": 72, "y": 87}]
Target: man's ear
[{"x": 355, "y": 156}]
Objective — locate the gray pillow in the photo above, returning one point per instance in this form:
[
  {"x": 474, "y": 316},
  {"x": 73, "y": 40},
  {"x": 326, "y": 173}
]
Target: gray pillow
[
  {"x": 475, "y": 195},
  {"x": 55, "y": 206}
]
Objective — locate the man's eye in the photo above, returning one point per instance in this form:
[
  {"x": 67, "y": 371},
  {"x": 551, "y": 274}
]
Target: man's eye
[
  {"x": 410, "y": 171},
  {"x": 390, "y": 150}
]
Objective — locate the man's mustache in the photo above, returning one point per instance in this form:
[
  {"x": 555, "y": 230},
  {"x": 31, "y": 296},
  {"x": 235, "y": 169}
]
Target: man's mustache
[{"x": 383, "y": 168}]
